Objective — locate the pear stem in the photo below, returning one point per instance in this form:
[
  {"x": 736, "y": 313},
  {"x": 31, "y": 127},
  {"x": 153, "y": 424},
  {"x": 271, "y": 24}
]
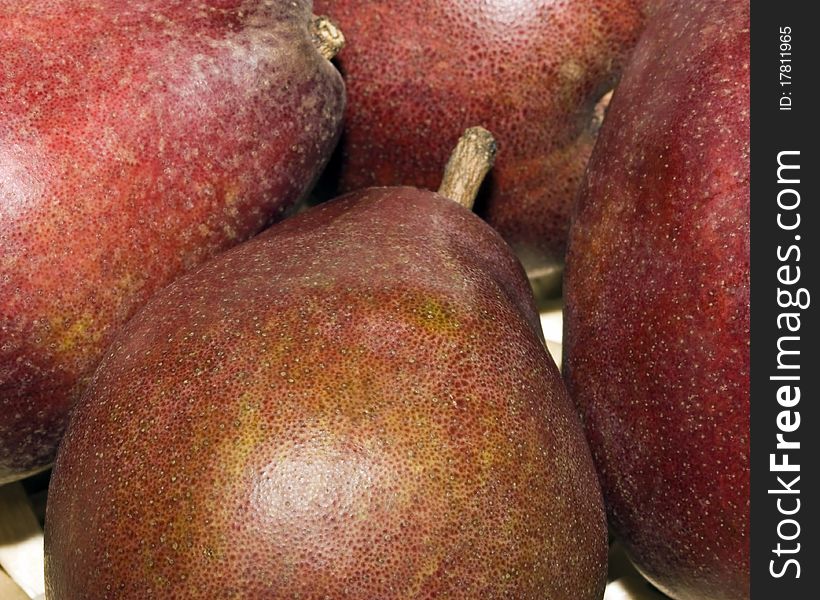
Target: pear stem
[
  {"x": 468, "y": 165},
  {"x": 327, "y": 38}
]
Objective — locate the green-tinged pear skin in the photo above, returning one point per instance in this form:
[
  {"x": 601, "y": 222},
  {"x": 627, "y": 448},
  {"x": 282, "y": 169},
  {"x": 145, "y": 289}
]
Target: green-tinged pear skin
[
  {"x": 137, "y": 139},
  {"x": 656, "y": 339},
  {"x": 355, "y": 404}
]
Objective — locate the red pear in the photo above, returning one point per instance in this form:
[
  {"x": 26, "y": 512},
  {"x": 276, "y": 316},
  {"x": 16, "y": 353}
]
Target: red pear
[
  {"x": 355, "y": 404},
  {"x": 137, "y": 139},
  {"x": 657, "y": 297},
  {"x": 532, "y": 71}
]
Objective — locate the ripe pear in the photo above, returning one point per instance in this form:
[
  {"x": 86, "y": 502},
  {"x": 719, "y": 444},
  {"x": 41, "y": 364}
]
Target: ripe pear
[
  {"x": 531, "y": 71},
  {"x": 357, "y": 403},
  {"x": 137, "y": 139},
  {"x": 657, "y": 297}
]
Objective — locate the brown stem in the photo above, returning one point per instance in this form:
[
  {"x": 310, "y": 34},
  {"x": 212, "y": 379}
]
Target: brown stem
[
  {"x": 327, "y": 38},
  {"x": 468, "y": 165}
]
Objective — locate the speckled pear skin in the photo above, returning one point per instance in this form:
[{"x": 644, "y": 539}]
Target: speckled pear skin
[
  {"x": 355, "y": 404},
  {"x": 418, "y": 73},
  {"x": 657, "y": 298},
  {"x": 137, "y": 140}
]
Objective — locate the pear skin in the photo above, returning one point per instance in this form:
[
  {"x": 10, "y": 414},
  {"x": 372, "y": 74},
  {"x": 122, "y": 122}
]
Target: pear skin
[
  {"x": 531, "y": 71},
  {"x": 356, "y": 404},
  {"x": 657, "y": 324},
  {"x": 138, "y": 139}
]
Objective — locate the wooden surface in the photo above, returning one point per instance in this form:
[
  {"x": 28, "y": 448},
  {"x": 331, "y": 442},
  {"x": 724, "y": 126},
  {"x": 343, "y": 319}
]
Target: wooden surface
[
  {"x": 21, "y": 541},
  {"x": 10, "y": 590}
]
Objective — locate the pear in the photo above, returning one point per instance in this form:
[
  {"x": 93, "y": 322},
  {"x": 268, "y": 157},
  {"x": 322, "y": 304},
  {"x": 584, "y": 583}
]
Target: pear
[
  {"x": 356, "y": 403},
  {"x": 137, "y": 140},
  {"x": 657, "y": 296},
  {"x": 534, "y": 72}
]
